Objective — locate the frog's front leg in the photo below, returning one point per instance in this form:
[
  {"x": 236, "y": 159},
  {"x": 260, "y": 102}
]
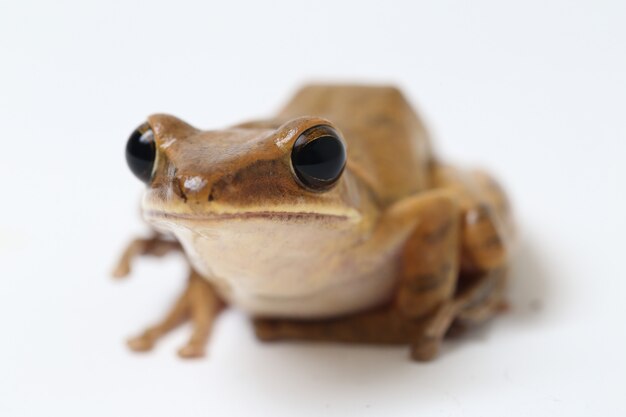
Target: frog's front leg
[
  {"x": 200, "y": 304},
  {"x": 156, "y": 245},
  {"x": 421, "y": 311}
]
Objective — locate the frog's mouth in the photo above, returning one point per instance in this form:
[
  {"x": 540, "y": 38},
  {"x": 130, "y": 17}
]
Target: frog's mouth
[
  {"x": 159, "y": 208},
  {"x": 261, "y": 214}
]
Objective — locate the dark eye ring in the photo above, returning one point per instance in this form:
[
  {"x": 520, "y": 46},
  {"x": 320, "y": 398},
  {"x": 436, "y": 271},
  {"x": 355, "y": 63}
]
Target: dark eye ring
[
  {"x": 141, "y": 152},
  {"x": 318, "y": 157}
]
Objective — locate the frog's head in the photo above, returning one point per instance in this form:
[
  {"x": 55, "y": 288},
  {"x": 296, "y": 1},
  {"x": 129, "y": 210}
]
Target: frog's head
[{"x": 292, "y": 171}]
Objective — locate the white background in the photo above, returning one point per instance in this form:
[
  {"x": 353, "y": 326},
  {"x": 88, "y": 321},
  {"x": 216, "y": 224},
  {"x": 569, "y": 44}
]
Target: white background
[{"x": 534, "y": 91}]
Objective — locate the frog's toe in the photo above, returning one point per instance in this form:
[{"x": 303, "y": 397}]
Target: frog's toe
[
  {"x": 425, "y": 350},
  {"x": 121, "y": 271},
  {"x": 141, "y": 343},
  {"x": 191, "y": 351}
]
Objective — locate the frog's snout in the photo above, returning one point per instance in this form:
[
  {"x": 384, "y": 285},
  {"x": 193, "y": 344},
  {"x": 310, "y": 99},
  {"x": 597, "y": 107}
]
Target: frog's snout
[{"x": 192, "y": 188}]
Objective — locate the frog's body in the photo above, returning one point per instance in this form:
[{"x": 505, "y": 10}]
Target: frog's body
[{"x": 398, "y": 248}]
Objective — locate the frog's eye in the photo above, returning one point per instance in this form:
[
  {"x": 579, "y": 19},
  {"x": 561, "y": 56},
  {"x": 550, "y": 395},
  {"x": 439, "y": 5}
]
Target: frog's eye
[
  {"x": 318, "y": 157},
  {"x": 141, "y": 152}
]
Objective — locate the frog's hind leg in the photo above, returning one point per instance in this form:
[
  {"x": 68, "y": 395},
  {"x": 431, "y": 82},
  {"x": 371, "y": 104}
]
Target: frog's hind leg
[
  {"x": 486, "y": 235},
  {"x": 430, "y": 265},
  {"x": 482, "y": 298},
  {"x": 200, "y": 304}
]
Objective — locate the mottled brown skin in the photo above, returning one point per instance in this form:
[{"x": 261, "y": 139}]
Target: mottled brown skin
[{"x": 450, "y": 270}]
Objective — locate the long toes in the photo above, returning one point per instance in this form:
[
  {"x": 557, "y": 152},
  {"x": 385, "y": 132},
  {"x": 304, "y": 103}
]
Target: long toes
[
  {"x": 191, "y": 351},
  {"x": 140, "y": 343}
]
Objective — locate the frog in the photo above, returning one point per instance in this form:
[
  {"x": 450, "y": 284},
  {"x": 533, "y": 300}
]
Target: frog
[{"x": 332, "y": 221}]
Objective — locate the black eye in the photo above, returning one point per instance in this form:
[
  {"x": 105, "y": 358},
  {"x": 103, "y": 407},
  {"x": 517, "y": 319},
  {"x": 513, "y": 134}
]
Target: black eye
[
  {"x": 318, "y": 157},
  {"x": 141, "y": 152}
]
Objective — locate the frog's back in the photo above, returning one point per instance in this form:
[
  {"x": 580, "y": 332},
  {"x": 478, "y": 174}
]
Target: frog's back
[{"x": 388, "y": 146}]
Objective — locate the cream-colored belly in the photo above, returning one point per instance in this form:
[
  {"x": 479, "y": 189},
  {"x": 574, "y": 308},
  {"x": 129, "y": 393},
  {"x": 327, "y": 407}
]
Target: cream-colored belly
[{"x": 296, "y": 270}]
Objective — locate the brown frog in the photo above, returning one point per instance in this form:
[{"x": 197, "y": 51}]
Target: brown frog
[{"x": 333, "y": 221}]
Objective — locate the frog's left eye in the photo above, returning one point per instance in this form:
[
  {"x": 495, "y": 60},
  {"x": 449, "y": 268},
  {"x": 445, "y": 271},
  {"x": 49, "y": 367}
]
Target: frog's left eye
[
  {"x": 141, "y": 152},
  {"x": 318, "y": 157}
]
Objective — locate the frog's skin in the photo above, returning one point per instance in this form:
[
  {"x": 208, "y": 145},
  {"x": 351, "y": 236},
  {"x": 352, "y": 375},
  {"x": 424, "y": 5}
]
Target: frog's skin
[{"x": 399, "y": 250}]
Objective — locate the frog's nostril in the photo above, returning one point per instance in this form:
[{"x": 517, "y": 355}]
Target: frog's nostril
[{"x": 178, "y": 190}]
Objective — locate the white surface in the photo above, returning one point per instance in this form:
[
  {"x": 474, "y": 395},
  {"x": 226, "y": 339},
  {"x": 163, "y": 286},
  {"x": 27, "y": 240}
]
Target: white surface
[{"x": 536, "y": 92}]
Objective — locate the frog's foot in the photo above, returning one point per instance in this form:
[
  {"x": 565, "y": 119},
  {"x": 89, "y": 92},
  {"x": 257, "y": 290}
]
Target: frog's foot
[
  {"x": 484, "y": 299},
  {"x": 156, "y": 245},
  {"x": 472, "y": 305},
  {"x": 200, "y": 304},
  {"x": 427, "y": 344},
  {"x": 378, "y": 326},
  {"x": 266, "y": 329}
]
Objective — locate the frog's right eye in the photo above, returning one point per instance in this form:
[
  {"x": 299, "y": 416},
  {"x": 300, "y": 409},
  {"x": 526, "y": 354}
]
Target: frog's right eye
[{"x": 141, "y": 152}]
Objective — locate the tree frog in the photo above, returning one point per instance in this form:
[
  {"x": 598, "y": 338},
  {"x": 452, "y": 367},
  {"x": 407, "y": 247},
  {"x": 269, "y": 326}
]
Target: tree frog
[{"x": 332, "y": 221}]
